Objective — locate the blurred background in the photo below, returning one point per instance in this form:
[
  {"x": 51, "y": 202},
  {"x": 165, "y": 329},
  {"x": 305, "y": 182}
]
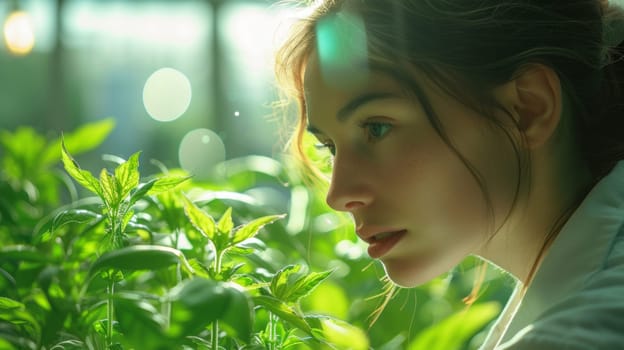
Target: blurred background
[
  {"x": 190, "y": 84},
  {"x": 181, "y": 78}
]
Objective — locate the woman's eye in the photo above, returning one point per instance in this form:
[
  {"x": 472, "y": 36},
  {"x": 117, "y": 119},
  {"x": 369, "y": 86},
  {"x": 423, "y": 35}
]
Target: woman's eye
[
  {"x": 376, "y": 130},
  {"x": 328, "y": 146}
]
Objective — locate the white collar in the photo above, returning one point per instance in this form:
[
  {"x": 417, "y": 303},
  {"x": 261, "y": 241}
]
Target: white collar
[{"x": 578, "y": 251}]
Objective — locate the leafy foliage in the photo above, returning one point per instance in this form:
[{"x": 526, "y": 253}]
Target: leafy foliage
[{"x": 159, "y": 262}]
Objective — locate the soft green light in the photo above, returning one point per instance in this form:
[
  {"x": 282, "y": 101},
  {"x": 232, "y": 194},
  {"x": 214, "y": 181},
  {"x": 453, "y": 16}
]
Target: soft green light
[{"x": 342, "y": 49}]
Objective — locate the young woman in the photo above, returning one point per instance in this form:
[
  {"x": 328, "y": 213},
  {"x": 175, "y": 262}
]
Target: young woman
[{"x": 489, "y": 127}]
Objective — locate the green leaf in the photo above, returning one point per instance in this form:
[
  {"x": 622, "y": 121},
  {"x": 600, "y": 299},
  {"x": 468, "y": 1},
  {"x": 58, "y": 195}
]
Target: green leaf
[
  {"x": 196, "y": 303},
  {"x": 200, "y": 269},
  {"x": 141, "y": 191},
  {"x": 279, "y": 282},
  {"x": 251, "y": 229},
  {"x": 203, "y": 222},
  {"x": 22, "y": 253},
  {"x": 81, "y": 140},
  {"x": 283, "y": 311},
  {"x": 141, "y": 324},
  {"x": 462, "y": 325},
  {"x": 226, "y": 273},
  {"x": 16, "y": 313},
  {"x": 73, "y": 216},
  {"x": 127, "y": 175},
  {"x": 10, "y": 304},
  {"x": 19, "y": 161},
  {"x": 83, "y": 177},
  {"x": 167, "y": 182},
  {"x": 225, "y": 224},
  {"x": 304, "y": 286},
  {"x": 5, "y": 345},
  {"x": 109, "y": 189},
  {"x": 139, "y": 257},
  {"x": 237, "y": 320},
  {"x": 338, "y": 334},
  {"x": 126, "y": 219}
]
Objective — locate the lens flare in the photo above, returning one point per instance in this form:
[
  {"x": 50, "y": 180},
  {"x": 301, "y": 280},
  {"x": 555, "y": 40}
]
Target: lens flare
[
  {"x": 201, "y": 150},
  {"x": 167, "y": 94},
  {"x": 342, "y": 49},
  {"x": 19, "y": 33}
]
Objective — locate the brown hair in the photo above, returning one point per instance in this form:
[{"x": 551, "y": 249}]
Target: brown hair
[{"x": 468, "y": 47}]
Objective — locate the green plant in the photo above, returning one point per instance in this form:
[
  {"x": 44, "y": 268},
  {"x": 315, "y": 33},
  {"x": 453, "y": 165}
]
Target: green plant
[
  {"x": 132, "y": 261},
  {"x": 117, "y": 281}
]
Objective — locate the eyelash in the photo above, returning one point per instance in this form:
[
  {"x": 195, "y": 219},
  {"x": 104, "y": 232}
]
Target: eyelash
[
  {"x": 370, "y": 137},
  {"x": 369, "y": 125},
  {"x": 328, "y": 146}
]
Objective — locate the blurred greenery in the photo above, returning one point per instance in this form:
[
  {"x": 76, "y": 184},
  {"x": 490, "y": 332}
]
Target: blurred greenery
[{"x": 143, "y": 263}]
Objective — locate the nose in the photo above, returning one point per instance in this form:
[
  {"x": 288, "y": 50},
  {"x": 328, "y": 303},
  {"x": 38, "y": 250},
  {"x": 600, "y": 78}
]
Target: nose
[{"x": 350, "y": 187}]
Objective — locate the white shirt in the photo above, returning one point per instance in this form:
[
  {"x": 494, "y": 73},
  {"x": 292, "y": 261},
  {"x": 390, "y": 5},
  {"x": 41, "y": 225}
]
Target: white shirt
[{"x": 576, "y": 299}]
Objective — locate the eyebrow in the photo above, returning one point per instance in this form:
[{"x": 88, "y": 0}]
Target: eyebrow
[{"x": 348, "y": 109}]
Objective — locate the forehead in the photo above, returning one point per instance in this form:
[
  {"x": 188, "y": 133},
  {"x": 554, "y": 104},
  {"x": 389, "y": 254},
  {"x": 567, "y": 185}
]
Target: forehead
[{"x": 328, "y": 90}]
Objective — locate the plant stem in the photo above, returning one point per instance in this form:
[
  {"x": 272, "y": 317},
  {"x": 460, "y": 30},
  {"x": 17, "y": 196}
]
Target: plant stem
[
  {"x": 215, "y": 324},
  {"x": 167, "y": 312},
  {"x": 217, "y": 262},
  {"x": 215, "y": 335},
  {"x": 272, "y": 331},
  {"x": 109, "y": 312}
]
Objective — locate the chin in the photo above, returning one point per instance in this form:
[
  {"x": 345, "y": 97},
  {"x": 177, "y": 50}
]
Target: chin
[{"x": 408, "y": 275}]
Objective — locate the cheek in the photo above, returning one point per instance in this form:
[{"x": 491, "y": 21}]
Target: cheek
[
  {"x": 493, "y": 156},
  {"x": 439, "y": 187}
]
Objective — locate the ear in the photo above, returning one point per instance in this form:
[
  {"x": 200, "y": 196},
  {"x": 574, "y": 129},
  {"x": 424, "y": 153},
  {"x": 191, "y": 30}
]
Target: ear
[{"x": 534, "y": 98}]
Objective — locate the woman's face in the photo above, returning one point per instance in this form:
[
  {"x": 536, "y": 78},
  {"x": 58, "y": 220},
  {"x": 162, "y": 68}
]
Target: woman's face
[{"x": 412, "y": 198}]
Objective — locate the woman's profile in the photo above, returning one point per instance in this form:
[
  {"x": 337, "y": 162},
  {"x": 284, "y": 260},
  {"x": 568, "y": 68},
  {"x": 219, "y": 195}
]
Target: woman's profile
[{"x": 492, "y": 128}]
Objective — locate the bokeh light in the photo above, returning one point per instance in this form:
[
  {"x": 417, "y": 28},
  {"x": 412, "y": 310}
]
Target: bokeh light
[
  {"x": 167, "y": 94},
  {"x": 19, "y": 34},
  {"x": 200, "y": 151}
]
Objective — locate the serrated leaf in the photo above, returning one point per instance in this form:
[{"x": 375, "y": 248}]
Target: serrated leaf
[
  {"x": 199, "y": 219},
  {"x": 127, "y": 175},
  {"x": 139, "y": 257},
  {"x": 304, "y": 286},
  {"x": 200, "y": 269},
  {"x": 109, "y": 189},
  {"x": 279, "y": 282},
  {"x": 226, "y": 273},
  {"x": 141, "y": 191},
  {"x": 126, "y": 219},
  {"x": 166, "y": 183},
  {"x": 225, "y": 224},
  {"x": 83, "y": 139},
  {"x": 283, "y": 311},
  {"x": 251, "y": 229},
  {"x": 83, "y": 177}
]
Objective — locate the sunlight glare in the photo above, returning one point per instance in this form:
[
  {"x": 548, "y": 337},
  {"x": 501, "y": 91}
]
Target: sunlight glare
[
  {"x": 19, "y": 33},
  {"x": 349, "y": 250}
]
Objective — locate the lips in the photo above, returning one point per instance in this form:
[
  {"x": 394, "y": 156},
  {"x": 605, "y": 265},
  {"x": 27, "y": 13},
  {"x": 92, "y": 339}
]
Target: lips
[{"x": 380, "y": 239}]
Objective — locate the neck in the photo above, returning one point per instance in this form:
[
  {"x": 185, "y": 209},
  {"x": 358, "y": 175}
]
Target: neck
[{"x": 521, "y": 243}]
